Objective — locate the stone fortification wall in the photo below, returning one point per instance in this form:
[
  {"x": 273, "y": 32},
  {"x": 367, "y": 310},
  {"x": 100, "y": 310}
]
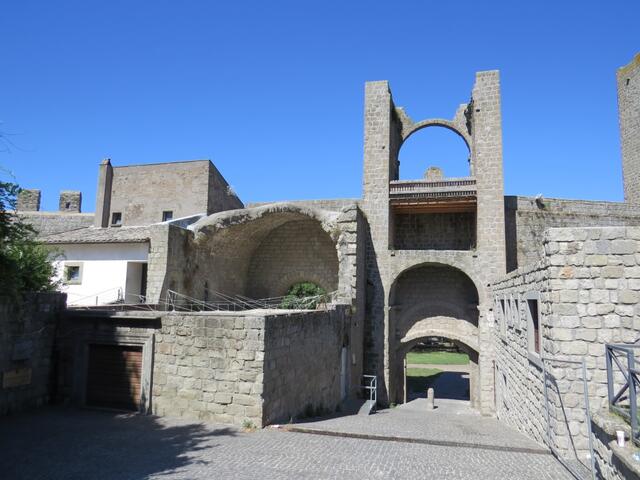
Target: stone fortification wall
[
  {"x": 589, "y": 290},
  {"x": 256, "y": 366},
  {"x": 302, "y": 364},
  {"x": 27, "y": 332},
  {"x": 628, "y": 80},
  {"x": 209, "y": 366},
  {"x": 439, "y": 231},
  {"x": 260, "y": 366},
  {"x": 526, "y": 222}
]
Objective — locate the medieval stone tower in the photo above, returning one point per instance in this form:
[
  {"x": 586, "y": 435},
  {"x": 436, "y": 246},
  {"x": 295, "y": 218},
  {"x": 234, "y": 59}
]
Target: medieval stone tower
[
  {"x": 628, "y": 78},
  {"x": 435, "y": 244}
]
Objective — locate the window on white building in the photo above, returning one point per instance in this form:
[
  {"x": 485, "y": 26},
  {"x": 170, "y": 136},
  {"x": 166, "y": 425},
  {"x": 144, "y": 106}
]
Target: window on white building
[{"x": 73, "y": 273}]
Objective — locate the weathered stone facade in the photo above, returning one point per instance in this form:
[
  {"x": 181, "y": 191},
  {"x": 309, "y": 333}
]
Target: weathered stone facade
[
  {"x": 70, "y": 201},
  {"x": 258, "y": 366},
  {"x": 28, "y": 200},
  {"x": 386, "y": 128},
  {"x": 588, "y": 286},
  {"x": 142, "y": 194},
  {"x": 527, "y": 219},
  {"x": 628, "y": 78},
  {"x": 27, "y": 333}
]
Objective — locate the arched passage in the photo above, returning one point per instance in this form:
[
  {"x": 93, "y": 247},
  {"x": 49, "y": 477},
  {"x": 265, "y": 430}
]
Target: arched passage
[
  {"x": 432, "y": 300},
  {"x": 436, "y": 143}
]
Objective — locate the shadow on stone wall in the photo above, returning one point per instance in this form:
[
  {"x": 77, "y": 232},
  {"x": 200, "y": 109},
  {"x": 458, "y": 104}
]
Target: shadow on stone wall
[{"x": 81, "y": 444}]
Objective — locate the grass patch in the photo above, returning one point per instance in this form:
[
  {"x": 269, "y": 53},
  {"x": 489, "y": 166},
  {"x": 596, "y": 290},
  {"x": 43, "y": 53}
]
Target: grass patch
[
  {"x": 419, "y": 379},
  {"x": 438, "y": 358}
]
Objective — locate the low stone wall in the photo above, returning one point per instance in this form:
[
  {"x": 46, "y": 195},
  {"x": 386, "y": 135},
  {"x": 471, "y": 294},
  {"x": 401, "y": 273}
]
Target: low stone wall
[
  {"x": 526, "y": 221},
  {"x": 27, "y": 332},
  {"x": 257, "y": 366},
  {"x": 302, "y": 364},
  {"x": 589, "y": 289},
  {"x": 209, "y": 366},
  {"x": 612, "y": 461}
]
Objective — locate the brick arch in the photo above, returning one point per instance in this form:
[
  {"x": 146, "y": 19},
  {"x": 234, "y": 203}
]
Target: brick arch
[{"x": 438, "y": 122}]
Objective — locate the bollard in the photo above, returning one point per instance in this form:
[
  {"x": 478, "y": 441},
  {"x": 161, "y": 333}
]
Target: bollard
[{"x": 430, "y": 403}]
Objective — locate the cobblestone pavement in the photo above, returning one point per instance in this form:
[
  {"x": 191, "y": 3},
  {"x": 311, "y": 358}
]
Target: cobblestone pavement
[
  {"x": 91, "y": 445},
  {"x": 453, "y": 421}
]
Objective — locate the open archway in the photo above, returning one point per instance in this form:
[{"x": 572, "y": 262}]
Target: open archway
[
  {"x": 434, "y": 144},
  {"x": 433, "y": 300}
]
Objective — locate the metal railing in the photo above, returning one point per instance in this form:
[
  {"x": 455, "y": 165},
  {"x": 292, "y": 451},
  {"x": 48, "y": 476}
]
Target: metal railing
[
  {"x": 175, "y": 301},
  {"x": 450, "y": 187},
  {"x": 546, "y": 362},
  {"x": 371, "y": 385},
  {"x": 623, "y": 400}
]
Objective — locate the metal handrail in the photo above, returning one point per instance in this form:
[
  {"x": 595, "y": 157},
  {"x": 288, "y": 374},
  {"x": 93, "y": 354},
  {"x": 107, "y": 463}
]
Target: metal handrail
[
  {"x": 372, "y": 387},
  {"x": 629, "y": 389}
]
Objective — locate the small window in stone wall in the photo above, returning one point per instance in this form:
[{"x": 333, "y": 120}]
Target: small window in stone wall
[
  {"x": 515, "y": 312},
  {"x": 116, "y": 219},
  {"x": 503, "y": 318},
  {"x": 534, "y": 332},
  {"x": 167, "y": 215}
]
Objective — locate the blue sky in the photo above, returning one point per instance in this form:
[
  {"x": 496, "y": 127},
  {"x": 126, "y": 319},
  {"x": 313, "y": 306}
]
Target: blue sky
[{"x": 272, "y": 92}]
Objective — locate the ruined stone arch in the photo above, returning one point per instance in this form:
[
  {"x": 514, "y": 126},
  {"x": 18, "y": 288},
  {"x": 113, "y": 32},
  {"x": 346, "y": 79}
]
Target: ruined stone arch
[
  {"x": 260, "y": 252},
  {"x": 438, "y": 122},
  {"x": 448, "y": 125}
]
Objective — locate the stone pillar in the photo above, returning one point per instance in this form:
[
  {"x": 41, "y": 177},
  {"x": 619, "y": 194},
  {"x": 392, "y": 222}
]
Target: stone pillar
[
  {"x": 628, "y": 79},
  {"x": 103, "y": 194},
  {"x": 381, "y": 143},
  {"x": 486, "y": 131},
  {"x": 28, "y": 200},
  {"x": 70, "y": 201}
]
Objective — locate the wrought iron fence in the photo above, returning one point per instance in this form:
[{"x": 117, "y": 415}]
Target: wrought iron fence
[{"x": 623, "y": 400}]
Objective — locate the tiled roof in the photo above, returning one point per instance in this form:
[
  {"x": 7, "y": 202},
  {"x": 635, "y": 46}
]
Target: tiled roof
[{"x": 100, "y": 235}]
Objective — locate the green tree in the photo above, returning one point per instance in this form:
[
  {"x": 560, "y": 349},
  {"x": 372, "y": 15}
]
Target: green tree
[
  {"x": 303, "y": 295},
  {"x": 25, "y": 264}
]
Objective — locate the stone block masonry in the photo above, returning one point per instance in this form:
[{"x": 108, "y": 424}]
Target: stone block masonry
[
  {"x": 588, "y": 285},
  {"x": 210, "y": 367},
  {"x": 27, "y": 332},
  {"x": 628, "y": 79},
  {"x": 257, "y": 366}
]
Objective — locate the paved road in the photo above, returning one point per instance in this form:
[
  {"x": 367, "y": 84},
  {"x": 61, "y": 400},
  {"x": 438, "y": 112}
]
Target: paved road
[{"x": 56, "y": 444}]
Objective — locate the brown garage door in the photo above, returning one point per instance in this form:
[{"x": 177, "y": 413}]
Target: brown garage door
[{"x": 113, "y": 376}]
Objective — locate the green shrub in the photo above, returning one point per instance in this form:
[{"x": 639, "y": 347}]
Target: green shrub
[{"x": 303, "y": 295}]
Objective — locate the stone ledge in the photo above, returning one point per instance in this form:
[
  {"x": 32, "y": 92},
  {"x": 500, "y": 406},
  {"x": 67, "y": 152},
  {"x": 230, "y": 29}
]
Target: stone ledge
[{"x": 605, "y": 425}]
